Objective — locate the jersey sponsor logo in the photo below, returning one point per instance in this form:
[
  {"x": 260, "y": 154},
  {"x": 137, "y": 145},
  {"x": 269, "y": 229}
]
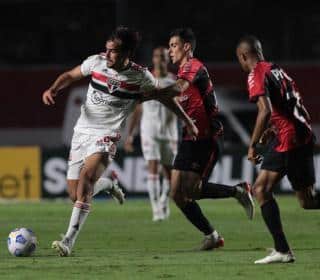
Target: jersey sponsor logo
[{"x": 98, "y": 97}]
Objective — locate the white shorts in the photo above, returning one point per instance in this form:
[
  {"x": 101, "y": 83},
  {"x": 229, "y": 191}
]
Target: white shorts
[
  {"x": 84, "y": 145},
  {"x": 162, "y": 150}
]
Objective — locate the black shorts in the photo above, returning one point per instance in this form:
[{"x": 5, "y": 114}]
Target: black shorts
[
  {"x": 198, "y": 156},
  {"x": 297, "y": 164}
]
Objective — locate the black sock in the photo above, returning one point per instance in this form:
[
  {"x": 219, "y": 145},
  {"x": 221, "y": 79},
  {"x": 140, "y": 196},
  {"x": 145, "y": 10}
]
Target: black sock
[
  {"x": 194, "y": 214},
  {"x": 210, "y": 190},
  {"x": 271, "y": 215}
]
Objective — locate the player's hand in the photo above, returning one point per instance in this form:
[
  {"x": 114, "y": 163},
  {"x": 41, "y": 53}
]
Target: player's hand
[
  {"x": 253, "y": 156},
  {"x": 128, "y": 145},
  {"x": 267, "y": 135},
  {"x": 48, "y": 97},
  {"x": 192, "y": 130}
]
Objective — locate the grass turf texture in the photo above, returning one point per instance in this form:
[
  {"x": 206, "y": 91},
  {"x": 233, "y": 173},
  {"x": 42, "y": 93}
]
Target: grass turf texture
[{"x": 121, "y": 242}]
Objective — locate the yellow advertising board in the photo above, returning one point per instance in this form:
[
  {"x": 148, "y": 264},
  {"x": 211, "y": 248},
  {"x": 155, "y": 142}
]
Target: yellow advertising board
[{"x": 20, "y": 173}]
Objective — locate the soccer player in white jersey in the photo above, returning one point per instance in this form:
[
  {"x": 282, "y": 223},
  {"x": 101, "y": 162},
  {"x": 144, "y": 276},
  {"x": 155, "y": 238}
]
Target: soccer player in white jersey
[
  {"x": 115, "y": 88},
  {"x": 159, "y": 136}
]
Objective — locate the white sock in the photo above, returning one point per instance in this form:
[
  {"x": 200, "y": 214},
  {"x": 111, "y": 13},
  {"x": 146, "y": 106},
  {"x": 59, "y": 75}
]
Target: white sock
[
  {"x": 153, "y": 185},
  {"x": 165, "y": 191},
  {"x": 103, "y": 184},
  {"x": 215, "y": 235},
  {"x": 79, "y": 215}
]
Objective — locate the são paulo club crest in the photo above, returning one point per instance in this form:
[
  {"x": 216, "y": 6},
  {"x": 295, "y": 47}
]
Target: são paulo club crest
[{"x": 113, "y": 84}]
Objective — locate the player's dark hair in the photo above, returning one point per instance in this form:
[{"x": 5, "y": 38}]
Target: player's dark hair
[
  {"x": 253, "y": 43},
  {"x": 129, "y": 39},
  {"x": 186, "y": 34}
]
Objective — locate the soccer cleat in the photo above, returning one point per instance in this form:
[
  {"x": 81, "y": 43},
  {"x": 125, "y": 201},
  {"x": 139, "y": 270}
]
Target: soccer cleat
[
  {"x": 244, "y": 197},
  {"x": 62, "y": 247},
  {"x": 115, "y": 191},
  {"x": 157, "y": 218},
  {"x": 277, "y": 257},
  {"x": 210, "y": 243},
  {"x": 158, "y": 215}
]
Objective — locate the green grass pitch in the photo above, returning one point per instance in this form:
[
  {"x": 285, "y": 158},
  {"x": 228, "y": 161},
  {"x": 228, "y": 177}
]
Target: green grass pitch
[{"x": 121, "y": 242}]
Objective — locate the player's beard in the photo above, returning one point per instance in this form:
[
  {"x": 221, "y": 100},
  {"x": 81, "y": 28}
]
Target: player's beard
[{"x": 110, "y": 64}]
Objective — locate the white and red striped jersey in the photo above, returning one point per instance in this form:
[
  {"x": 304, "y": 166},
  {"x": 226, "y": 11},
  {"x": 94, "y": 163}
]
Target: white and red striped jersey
[
  {"x": 111, "y": 95},
  {"x": 158, "y": 121}
]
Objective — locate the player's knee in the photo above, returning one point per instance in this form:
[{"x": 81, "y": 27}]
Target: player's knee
[
  {"x": 193, "y": 190},
  {"x": 175, "y": 195},
  {"x": 259, "y": 192},
  {"x": 181, "y": 202},
  {"x": 178, "y": 198}
]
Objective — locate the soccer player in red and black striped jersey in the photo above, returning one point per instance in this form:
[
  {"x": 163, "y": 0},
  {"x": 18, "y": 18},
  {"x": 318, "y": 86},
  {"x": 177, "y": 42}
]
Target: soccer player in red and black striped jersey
[
  {"x": 283, "y": 124},
  {"x": 196, "y": 158}
]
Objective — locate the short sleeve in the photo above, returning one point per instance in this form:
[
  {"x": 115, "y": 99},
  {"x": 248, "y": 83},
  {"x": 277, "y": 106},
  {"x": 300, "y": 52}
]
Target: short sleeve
[
  {"x": 88, "y": 65},
  {"x": 148, "y": 82},
  {"x": 256, "y": 85}
]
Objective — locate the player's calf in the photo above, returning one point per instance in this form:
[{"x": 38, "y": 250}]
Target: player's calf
[{"x": 72, "y": 189}]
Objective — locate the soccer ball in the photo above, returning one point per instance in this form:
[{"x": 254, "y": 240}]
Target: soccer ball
[{"x": 22, "y": 242}]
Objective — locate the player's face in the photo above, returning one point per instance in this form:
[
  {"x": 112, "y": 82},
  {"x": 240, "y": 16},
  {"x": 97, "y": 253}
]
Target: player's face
[
  {"x": 160, "y": 57},
  {"x": 177, "y": 50},
  {"x": 115, "y": 58},
  {"x": 242, "y": 59}
]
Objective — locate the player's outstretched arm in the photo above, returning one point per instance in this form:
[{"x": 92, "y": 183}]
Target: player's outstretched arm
[
  {"x": 133, "y": 122},
  {"x": 64, "y": 80},
  {"x": 175, "y": 107},
  {"x": 171, "y": 91},
  {"x": 263, "y": 117}
]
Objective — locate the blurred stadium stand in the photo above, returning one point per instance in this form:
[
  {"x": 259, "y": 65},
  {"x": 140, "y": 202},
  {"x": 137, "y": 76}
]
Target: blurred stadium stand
[{"x": 64, "y": 31}]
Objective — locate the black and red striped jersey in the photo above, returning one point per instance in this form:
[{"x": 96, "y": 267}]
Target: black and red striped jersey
[
  {"x": 289, "y": 116},
  {"x": 199, "y": 100}
]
